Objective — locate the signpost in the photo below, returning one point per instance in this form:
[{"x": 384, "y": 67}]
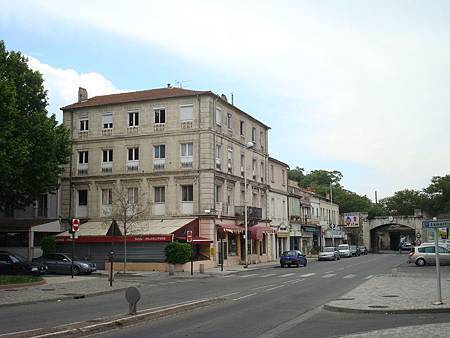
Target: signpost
[
  {"x": 189, "y": 240},
  {"x": 75, "y": 227},
  {"x": 435, "y": 224}
]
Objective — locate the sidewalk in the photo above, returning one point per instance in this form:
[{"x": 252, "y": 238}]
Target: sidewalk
[
  {"x": 416, "y": 331},
  {"x": 394, "y": 294},
  {"x": 59, "y": 288}
]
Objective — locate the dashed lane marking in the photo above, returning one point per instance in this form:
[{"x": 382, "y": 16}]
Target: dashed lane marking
[
  {"x": 268, "y": 275},
  {"x": 276, "y": 287},
  {"x": 329, "y": 275},
  {"x": 246, "y": 296},
  {"x": 349, "y": 276},
  {"x": 297, "y": 281},
  {"x": 250, "y": 275},
  {"x": 368, "y": 277},
  {"x": 286, "y": 275},
  {"x": 308, "y": 274},
  {"x": 230, "y": 294},
  {"x": 262, "y": 287}
]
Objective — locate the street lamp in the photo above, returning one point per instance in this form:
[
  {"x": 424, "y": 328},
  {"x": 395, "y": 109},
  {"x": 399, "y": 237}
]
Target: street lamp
[{"x": 249, "y": 145}]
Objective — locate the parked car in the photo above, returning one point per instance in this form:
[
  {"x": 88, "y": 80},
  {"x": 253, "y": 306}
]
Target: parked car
[
  {"x": 406, "y": 246},
  {"x": 61, "y": 263},
  {"x": 354, "y": 250},
  {"x": 329, "y": 253},
  {"x": 344, "y": 250},
  {"x": 362, "y": 250},
  {"x": 13, "y": 264},
  {"x": 426, "y": 254},
  {"x": 293, "y": 257}
]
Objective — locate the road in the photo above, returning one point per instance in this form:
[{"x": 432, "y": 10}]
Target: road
[{"x": 270, "y": 302}]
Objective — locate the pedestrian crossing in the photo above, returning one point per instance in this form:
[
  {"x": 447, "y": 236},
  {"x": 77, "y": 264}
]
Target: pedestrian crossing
[{"x": 326, "y": 275}]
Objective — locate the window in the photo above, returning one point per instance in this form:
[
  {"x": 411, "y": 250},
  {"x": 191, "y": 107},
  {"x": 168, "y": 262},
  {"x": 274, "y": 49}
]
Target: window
[
  {"x": 186, "y": 113},
  {"x": 133, "y": 194},
  {"x": 42, "y": 205},
  {"x": 272, "y": 174},
  {"x": 133, "y": 119},
  {"x": 133, "y": 154},
  {"x": 107, "y": 120},
  {"x": 230, "y": 159},
  {"x": 187, "y": 193},
  {"x": 261, "y": 138},
  {"x": 82, "y": 197},
  {"x": 107, "y": 155},
  {"x": 160, "y": 115},
  {"x": 262, "y": 171},
  {"x": 218, "y": 156},
  {"x": 242, "y": 164},
  {"x": 282, "y": 176},
  {"x": 160, "y": 194},
  {"x": 218, "y": 193},
  {"x": 254, "y": 168},
  {"x": 241, "y": 128},
  {"x": 253, "y": 134},
  {"x": 84, "y": 123},
  {"x": 229, "y": 120},
  {"x": 106, "y": 196},
  {"x": 218, "y": 116},
  {"x": 83, "y": 157},
  {"x": 186, "y": 149},
  {"x": 160, "y": 151},
  {"x": 232, "y": 244}
]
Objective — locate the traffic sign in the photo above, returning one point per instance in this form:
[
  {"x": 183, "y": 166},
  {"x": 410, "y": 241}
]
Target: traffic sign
[
  {"x": 189, "y": 236},
  {"x": 75, "y": 225},
  {"x": 442, "y": 223}
]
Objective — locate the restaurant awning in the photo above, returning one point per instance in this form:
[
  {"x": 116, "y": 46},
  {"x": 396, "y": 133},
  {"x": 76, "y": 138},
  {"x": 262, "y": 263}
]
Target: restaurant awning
[
  {"x": 233, "y": 228},
  {"x": 258, "y": 230},
  {"x": 198, "y": 240}
]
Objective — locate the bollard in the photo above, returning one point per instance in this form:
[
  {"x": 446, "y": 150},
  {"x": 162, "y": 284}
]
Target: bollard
[
  {"x": 171, "y": 269},
  {"x": 202, "y": 268},
  {"x": 132, "y": 295}
]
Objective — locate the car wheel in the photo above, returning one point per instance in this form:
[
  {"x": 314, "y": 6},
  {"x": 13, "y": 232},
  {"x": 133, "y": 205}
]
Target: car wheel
[
  {"x": 421, "y": 262},
  {"x": 76, "y": 270},
  {"x": 282, "y": 265}
]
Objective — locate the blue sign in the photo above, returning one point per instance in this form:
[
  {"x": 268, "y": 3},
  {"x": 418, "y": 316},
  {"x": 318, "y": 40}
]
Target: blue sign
[{"x": 442, "y": 223}]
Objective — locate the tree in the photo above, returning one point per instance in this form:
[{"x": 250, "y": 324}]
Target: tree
[
  {"x": 33, "y": 147},
  {"x": 48, "y": 245},
  {"x": 404, "y": 202},
  {"x": 178, "y": 253},
  {"x": 127, "y": 209},
  {"x": 296, "y": 174},
  {"x": 320, "y": 180},
  {"x": 438, "y": 196}
]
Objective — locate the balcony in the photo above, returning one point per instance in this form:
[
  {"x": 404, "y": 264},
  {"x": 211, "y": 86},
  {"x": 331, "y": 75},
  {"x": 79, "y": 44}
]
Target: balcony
[
  {"x": 83, "y": 134},
  {"x": 186, "y": 162},
  {"x": 253, "y": 213},
  {"x": 107, "y": 132},
  {"x": 187, "y": 124},
  {"x": 132, "y": 130},
  {"x": 82, "y": 169},
  {"x": 159, "y": 163},
  {"x": 132, "y": 166},
  {"x": 107, "y": 167},
  {"x": 159, "y": 126}
]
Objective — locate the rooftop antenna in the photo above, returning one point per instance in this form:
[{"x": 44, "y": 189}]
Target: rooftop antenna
[
  {"x": 232, "y": 98},
  {"x": 179, "y": 84}
]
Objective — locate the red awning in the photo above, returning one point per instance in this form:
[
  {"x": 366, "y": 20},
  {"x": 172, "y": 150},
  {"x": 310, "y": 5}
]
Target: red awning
[
  {"x": 258, "y": 230},
  {"x": 233, "y": 228},
  {"x": 197, "y": 240}
]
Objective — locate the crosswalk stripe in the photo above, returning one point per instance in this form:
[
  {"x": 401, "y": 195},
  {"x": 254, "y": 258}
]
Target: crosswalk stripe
[
  {"x": 250, "y": 275},
  {"x": 286, "y": 275},
  {"x": 308, "y": 274},
  {"x": 329, "y": 275},
  {"x": 268, "y": 275},
  {"x": 368, "y": 277},
  {"x": 349, "y": 276}
]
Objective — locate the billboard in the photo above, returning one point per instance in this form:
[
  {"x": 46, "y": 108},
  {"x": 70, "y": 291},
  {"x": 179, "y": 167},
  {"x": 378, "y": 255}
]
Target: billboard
[{"x": 351, "y": 220}]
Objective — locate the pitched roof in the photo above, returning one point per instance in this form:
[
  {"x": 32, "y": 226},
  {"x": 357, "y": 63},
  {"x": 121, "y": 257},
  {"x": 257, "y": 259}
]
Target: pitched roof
[{"x": 143, "y": 95}]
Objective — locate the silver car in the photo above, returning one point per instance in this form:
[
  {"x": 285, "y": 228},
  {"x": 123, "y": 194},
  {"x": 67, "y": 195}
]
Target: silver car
[
  {"x": 329, "y": 253},
  {"x": 426, "y": 254}
]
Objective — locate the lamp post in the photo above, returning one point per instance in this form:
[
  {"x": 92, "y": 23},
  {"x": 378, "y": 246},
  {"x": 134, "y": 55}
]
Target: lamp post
[
  {"x": 331, "y": 215},
  {"x": 249, "y": 145}
]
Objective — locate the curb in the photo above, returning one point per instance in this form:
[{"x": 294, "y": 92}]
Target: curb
[
  {"x": 333, "y": 308},
  {"x": 77, "y": 296},
  {"x": 22, "y": 285},
  {"x": 88, "y": 328}
]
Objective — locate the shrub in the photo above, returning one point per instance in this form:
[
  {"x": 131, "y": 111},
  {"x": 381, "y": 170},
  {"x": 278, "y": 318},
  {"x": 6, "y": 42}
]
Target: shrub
[
  {"x": 48, "y": 245},
  {"x": 178, "y": 253}
]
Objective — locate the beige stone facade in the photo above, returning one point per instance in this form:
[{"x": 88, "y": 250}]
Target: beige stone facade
[{"x": 180, "y": 152}]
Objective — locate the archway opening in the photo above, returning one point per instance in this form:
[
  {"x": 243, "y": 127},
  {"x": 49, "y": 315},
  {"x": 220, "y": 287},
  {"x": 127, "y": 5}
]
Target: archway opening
[{"x": 387, "y": 237}]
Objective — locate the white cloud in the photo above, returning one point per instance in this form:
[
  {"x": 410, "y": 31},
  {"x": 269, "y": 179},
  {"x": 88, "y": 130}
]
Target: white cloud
[
  {"x": 369, "y": 80},
  {"x": 62, "y": 85}
]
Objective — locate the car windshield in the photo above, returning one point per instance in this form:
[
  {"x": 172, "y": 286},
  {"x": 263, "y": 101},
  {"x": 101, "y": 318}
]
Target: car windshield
[
  {"x": 17, "y": 258},
  {"x": 343, "y": 247},
  {"x": 329, "y": 249},
  {"x": 290, "y": 253}
]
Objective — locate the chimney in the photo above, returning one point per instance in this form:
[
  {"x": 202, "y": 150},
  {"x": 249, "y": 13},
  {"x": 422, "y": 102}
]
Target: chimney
[
  {"x": 169, "y": 86},
  {"x": 224, "y": 97},
  {"x": 82, "y": 94}
]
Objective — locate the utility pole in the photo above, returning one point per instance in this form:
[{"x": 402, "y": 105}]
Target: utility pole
[{"x": 331, "y": 214}]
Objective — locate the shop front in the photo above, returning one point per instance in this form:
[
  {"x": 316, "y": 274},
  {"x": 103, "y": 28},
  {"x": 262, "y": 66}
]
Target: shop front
[
  {"x": 260, "y": 235},
  {"x": 310, "y": 238},
  {"x": 230, "y": 244}
]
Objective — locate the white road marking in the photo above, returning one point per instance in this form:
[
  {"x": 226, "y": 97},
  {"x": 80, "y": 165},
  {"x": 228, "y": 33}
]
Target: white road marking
[
  {"x": 268, "y": 275},
  {"x": 262, "y": 287},
  {"x": 276, "y": 287},
  {"x": 250, "y": 275},
  {"x": 286, "y": 275},
  {"x": 293, "y": 281},
  {"x": 230, "y": 294},
  {"x": 368, "y": 277},
  {"x": 297, "y": 281},
  {"x": 330, "y": 271},
  {"x": 19, "y": 332},
  {"x": 328, "y": 275},
  {"x": 252, "y": 294},
  {"x": 308, "y": 274},
  {"x": 349, "y": 276}
]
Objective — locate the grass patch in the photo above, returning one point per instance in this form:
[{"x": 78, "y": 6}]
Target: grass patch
[{"x": 17, "y": 279}]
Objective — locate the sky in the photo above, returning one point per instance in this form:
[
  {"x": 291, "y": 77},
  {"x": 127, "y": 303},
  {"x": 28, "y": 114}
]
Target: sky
[{"x": 358, "y": 86}]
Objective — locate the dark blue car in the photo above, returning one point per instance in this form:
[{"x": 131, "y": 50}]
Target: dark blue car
[{"x": 293, "y": 257}]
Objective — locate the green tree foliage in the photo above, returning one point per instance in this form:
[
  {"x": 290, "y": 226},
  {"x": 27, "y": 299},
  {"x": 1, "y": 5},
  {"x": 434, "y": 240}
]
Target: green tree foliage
[
  {"x": 178, "y": 253},
  {"x": 48, "y": 245},
  {"x": 296, "y": 174},
  {"x": 32, "y": 145},
  {"x": 404, "y": 202},
  {"x": 438, "y": 196}
]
